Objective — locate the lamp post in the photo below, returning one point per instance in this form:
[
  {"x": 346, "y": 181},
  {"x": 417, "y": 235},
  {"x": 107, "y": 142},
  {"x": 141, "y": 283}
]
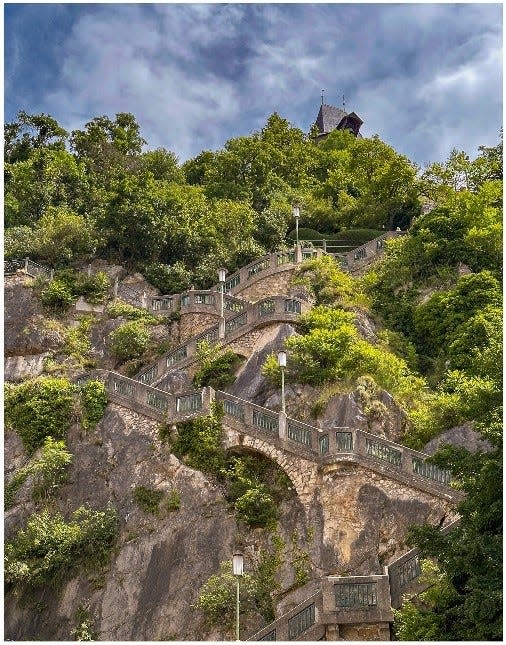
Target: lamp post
[
  {"x": 237, "y": 568},
  {"x": 282, "y": 365},
  {"x": 296, "y": 214},
  {"x": 221, "y": 279}
]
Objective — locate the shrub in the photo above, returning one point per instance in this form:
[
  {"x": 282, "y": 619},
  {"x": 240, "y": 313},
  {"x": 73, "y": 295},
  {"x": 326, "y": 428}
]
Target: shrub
[
  {"x": 169, "y": 278},
  {"x": 215, "y": 370},
  {"x": 49, "y": 549},
  {"x": 94, "y": 401},
  {"x": 121, "y": 309},
  {"x": 93, "y": 288},
  {"x": 57, "y": 296},
  {"x": 173, "y": 501},
  {"x": 39, "y": 408},
  {"x": 130, "y": 340},
  {"x": 217, "y": 596},
  {"x": 199, "y": 442},
  {"x": 256, "y": 507},
  {"x": 84, "y": 630},
  {"x": 48, "y": 470},
  {"x": 328, "y": 283},
  {"x": 18, "y": 242},
  {"x": 78, "y": 344},
  {"x": 147, "y": 499}
]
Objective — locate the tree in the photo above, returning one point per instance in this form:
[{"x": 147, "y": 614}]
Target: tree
[{"x": 31, "y": 131}]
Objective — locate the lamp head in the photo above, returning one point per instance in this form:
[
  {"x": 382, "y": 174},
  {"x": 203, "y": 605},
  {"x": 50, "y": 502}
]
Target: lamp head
[
  {"x": 221, "y": 275},
  {"x": 282, "y": 358},
  {"x": 296, "y": 212},
  {"x": 237, "y": 564}
]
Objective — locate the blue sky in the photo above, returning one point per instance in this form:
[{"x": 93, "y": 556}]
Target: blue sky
[{"x": 425, "y": 77}]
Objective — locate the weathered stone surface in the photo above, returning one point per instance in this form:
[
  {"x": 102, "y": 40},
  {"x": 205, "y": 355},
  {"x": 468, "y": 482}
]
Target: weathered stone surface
[
  {"x": 192, "y": 324},
  {"x": 463, "y": 436},
  {"x": 21, "y": 367},
  {"x": 24, "y": 331}
]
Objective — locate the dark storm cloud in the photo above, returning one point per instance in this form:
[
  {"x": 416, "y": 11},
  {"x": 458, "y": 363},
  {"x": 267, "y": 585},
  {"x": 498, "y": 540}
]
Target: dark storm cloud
[{"x": 424, "y": 77}]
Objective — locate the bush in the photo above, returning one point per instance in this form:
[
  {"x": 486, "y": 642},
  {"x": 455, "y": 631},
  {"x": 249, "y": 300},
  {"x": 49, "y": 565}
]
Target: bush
[
  {"x": 215, "y": 370},
  {"x": 199, "y": 442},
  {"x": 174, "y": 500},
  {"x": 49, "y": 549},
  {"x": 48, "y": 470},
  {"x": 256, "y": 508},
  {"x": 78, "y": 344},
  {"x": 119, "y": 309},
  {"x": 169, "y": 278},
  {"x": 57, "y": 296},
  {"x": 130, "y": 340},
  {"x": 94, "y": 401},
  {"x": 147, "y": 499},
  {"x": 328, "y": 283},
  {"x": 93, "y": 288},
  {"x": 18, "y": 242},
  {"x": 39, "y": 408}
]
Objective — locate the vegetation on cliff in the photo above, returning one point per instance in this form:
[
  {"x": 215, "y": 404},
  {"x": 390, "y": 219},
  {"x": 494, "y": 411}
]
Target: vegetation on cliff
[{"x": 435, "y": 298}]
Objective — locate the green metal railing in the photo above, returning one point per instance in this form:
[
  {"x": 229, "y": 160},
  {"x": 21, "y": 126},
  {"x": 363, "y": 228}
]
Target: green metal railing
[
  {"x": 431, "y": 471},
  {"x": 301, "y": 622},
  {"x": 176, "y": 356},
  {"x": 344, "y": 441},
  {"x": 157, "y": 401},
  {"x": 265, "y": 421},
  {"x": 149, "y": 376},
  {"x": 189, "y": 403},
  {"x": 123, "y": 387},
  {"x": 384, "y": 452},
  {"x": 361, "y": 594},
  {"x": 235, "y": 323},
  {"x": 233, "y": 409},
  {"x": 298, "y": 433}
]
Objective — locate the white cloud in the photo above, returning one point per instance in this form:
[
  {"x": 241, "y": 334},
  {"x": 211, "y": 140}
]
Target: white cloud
[{"x": 196, "y": 74}]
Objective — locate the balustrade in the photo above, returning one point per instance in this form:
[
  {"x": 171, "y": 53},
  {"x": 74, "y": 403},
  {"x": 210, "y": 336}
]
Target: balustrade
[
  {"x": 162, "y": 304},
  {"x": 296, "y": 432},
  {"x": 344, "y": 441},
  {"x": 383, "y": 451},
  {"x": 149, "y": 376},
  {"x": 234, "y": 409},
  {"x": 189, "y": 402},
  {"x": 323, "y": 443},
  {"x": 301, "y": 622},
  {"x": 259, "y": 266},
  {"x": 157, "y": 401},
  {"x": 232, "y": 282},
  {"x": 431, "y": 471},
  {"x": 292, "y": 306},
  {"x": 233, "y": 305},
  {"x": 176, "y": 356},
  {"x": 265, "y": 421},
  {"x": 356, "y": 594},
  {"x": 123, "y": 387},
  {"x": 409, "y": 570},
  {"x": 266, "y": 307},
  {"x": 234, "y": 323}
]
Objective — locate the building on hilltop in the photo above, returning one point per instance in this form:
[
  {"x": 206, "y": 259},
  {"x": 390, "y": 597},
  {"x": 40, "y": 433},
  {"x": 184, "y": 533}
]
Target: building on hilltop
[{"x": 332, "y": 118}]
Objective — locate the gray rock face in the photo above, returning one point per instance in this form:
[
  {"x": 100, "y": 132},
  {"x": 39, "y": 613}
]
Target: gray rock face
[
  {"x": 461, "y": 436},
  {"x": 21, "y": 367},
  {"x": 24, "y": 332}
]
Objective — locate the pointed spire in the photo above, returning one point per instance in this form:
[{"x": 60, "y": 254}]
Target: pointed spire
[
  {"x": 322, "y": 95},
  {"x": 344, "y": 104}
]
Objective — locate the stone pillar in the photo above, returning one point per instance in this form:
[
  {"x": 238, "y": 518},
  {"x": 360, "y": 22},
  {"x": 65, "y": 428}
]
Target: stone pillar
[
  {"x": 144, "y": 300},
  {"x": 26, "y": 265},
  {"x": 221, "y": 328},
  {"x": 282, "y": 425},
  {"x": 115, "y": 287},
  {"x": 332, "y": 633},
  {"x": 298, "y": 253}
]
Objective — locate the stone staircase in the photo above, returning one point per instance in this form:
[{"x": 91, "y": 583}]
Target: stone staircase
[{"x": 342, "y": 604}]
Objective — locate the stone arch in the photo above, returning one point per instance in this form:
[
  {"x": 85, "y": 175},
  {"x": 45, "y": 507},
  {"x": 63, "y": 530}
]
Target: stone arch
[{"x": 302, "y": 473}]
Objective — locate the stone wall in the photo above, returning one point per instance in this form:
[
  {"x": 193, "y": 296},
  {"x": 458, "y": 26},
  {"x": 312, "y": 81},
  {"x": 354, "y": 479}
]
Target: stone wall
[
  {"x": 191, "y": 324},
  {"x": 272, "y": 285}
]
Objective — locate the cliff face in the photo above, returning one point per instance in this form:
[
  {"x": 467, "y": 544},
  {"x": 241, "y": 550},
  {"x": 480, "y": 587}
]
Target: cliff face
[{"x": 352, "y": 521}]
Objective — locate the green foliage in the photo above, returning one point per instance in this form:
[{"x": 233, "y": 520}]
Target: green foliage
[
  {"x": 130, "y": 340},
  {"x": 57, "y": 296},
  {"x": 19, "y": 242},
  {"x": 49, "y": 549},
  {"x": 48, "y": 471},
  {"x": 328, "y": 283},
  {"x": 256, "y": 508},
  {"x": 173, "y": 502},
  {"x": 61, "y": 236},
  {"x": 199, "y": 442},
  {"x": 217, "y": 596},
  {"x": 84, "y": 629},
  {"x": 119, "y": 309},
  {"x": 216, "y": 367},
  {"x": 78, "y": 344},
  {"x": 147, "y": 499},
  {"x": 252, "y": 496},
  {"x": 39, "y": 408},
  {"x": 300, "y": 561},
  {"x": 169, "y": 278},
  {"x": 93, "y": 287},
  {"x": 465, "y": 599},
  {"x": 93, "y": 401}
]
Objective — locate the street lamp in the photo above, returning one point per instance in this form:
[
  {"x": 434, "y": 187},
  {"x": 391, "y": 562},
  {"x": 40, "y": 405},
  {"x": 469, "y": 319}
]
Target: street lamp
[
  {"x": 296, "y": 214},
  {"x": 282, "y": 365},
  {"x": 221, "y": 279},
  {"x": 237, "y": 569}
]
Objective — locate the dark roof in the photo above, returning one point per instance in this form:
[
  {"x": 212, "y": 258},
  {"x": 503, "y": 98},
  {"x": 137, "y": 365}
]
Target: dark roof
[{"x": 329, "y": 117}]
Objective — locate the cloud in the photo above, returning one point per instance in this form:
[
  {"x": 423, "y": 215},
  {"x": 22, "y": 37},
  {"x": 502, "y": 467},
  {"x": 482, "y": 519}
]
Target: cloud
[{"x": 196, "y": 75}]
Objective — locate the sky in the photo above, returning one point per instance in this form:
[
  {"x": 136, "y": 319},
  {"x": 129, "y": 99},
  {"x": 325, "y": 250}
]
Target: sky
[{"x": 425, "y": 77}]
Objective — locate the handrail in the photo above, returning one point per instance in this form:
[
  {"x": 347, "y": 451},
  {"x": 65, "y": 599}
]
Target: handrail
[{"x": 270, "y": 309}]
